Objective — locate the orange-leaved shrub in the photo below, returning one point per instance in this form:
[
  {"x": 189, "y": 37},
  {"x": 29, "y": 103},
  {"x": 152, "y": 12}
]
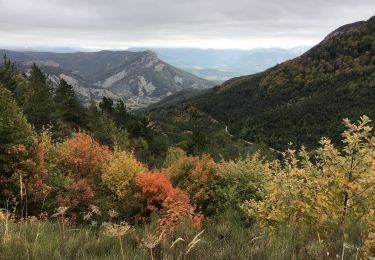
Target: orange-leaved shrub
[
  {"x": 176, "y": 207},
  {"x": 77, "y": 192},
  {"x": 157, "y": 194},
  {"x": 83, "y": 157},
  {"x": 24, "y": 174},
  {"x": 194, "y": 175},
  {"x": 82, "y": 160}
]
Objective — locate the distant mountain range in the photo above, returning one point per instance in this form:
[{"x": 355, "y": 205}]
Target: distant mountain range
[
  {"x": 217, "y": 65},
  {"x": 222, "y": 64},
  {"x": 139, "y": 78},
  {"x": 298, "y": 101}
]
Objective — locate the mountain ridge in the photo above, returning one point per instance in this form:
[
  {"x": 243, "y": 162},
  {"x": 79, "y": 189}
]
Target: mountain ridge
[
  {"x": 135, "y": 77},
  {"x": 306, "y": 97},
  {"x": 222, "y": 64}
]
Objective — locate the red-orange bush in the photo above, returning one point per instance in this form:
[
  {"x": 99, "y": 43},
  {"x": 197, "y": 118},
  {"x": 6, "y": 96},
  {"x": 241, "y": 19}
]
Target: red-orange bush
[
  {"x": 78, "y": 191},
  {"x": 82, "y": 160},
  {"x": 158, "y": 195},
  {"x": 154, "y": 189},
  {"x": 83, "y": 156},
  {"x": 176, "y": 207}
]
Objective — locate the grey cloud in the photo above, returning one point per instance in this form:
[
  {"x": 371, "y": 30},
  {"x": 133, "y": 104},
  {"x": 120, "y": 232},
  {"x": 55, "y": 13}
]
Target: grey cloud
[{"x": 119, "y": 22}]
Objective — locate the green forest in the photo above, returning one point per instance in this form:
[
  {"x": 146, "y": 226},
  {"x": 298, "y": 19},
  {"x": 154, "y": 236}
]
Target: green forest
[
  {"x": 98, "y": 181},
  {"x": 300, "y": 100}
]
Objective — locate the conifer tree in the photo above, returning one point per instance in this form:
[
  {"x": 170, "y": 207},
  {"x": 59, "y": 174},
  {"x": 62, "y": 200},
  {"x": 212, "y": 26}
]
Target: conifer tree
[
  {"x": 120, "y": 114},
  {"x": 104, "y": 128},
  {"x": 106, "y": 105},
  {"x": 12, "y": 80},
  {"x": 40, "y": 107},
  {"x": 14, "y": 128},
  {"x": 7, "y": 74},
  {"x": 69, "y": 111}
]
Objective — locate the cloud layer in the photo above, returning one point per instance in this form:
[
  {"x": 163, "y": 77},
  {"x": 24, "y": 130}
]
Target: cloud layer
[{"x": 194, "y": 23}]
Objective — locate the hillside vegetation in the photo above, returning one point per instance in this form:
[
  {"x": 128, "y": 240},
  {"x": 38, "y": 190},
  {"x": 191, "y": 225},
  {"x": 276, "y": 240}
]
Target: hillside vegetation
[{"x": 303, "y": 99}]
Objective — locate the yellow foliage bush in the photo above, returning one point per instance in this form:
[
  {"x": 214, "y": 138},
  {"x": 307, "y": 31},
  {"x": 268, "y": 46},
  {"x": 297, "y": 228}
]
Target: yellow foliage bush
[
  {"x": 329, "y": 189},
  {"x": 120, "y": 171}
]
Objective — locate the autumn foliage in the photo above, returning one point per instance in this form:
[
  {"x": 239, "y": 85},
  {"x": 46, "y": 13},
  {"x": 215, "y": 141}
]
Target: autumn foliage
[
  {"x": 77, "y": 192},
  {"x": 119, "y": 173},
  {"x": 158, "y": 195},
  {"x": 333, "y": 188},
  {"x": 175, "y": 208},
  {"x": 82, "y": 160},
  {"x": 82, "y": 156},
  {"x": 194, "y": 176},
  {"x": 154, "y": 189},
  {"x": 24, "y": 174}
]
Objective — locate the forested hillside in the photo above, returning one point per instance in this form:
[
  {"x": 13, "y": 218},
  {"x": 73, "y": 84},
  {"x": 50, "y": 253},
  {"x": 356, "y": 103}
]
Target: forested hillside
[
  {"x": 59, "y": 111},
  {"x": 110, "y": 122},
  {"x": 303, "y": 99}
]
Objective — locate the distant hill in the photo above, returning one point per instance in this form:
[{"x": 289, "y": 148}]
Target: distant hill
[
  {"x": 140, "y": 78},
  {"x": 300, "y": 100},
  {"x": 222, "y": 64}
]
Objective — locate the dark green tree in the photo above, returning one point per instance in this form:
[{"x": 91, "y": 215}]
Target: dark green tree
[
  {"x": 70, "y": 113},
  {"x": 14, "y": 128},
  {"x": 12, "y": 80},
  {"x": 106, "y": 105},
  {"x": 40, "y": 108},
  {"x": 7, "y": 74},
  {"x": 120, "y": 114},
  {"x": 105, "y": 130},
  {"x": 197, "y": 142}
]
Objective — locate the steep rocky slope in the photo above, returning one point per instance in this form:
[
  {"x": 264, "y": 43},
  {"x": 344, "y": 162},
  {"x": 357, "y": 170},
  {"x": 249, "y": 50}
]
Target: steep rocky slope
[{"x": 137, "y": 77}]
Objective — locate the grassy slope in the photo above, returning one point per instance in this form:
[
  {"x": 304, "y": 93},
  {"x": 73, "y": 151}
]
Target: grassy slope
[{"x": 227, "y": 237}]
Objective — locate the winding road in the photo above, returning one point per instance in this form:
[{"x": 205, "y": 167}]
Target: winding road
[{"x": 247, "y": 142}]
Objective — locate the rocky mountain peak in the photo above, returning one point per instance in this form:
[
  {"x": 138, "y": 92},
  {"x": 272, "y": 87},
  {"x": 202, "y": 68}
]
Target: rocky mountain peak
[{"x": 139, "y": 78}]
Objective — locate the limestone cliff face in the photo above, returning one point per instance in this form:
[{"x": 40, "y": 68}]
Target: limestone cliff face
[{"x": 139, "y": 78}]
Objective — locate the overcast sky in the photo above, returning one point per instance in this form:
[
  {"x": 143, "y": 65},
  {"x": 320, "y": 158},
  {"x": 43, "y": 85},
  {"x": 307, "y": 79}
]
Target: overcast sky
[{"x": 240, "y": 24}]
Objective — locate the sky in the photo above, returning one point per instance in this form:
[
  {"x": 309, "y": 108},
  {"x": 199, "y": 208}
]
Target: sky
[{"x": 117, "y": 24}]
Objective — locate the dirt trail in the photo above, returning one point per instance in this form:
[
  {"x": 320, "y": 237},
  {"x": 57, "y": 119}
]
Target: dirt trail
[{"x": 247, "y": 142}]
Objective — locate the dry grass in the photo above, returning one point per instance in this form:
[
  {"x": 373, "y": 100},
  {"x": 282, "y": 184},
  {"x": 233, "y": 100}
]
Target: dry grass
[{"x": 226, "y": 237}]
